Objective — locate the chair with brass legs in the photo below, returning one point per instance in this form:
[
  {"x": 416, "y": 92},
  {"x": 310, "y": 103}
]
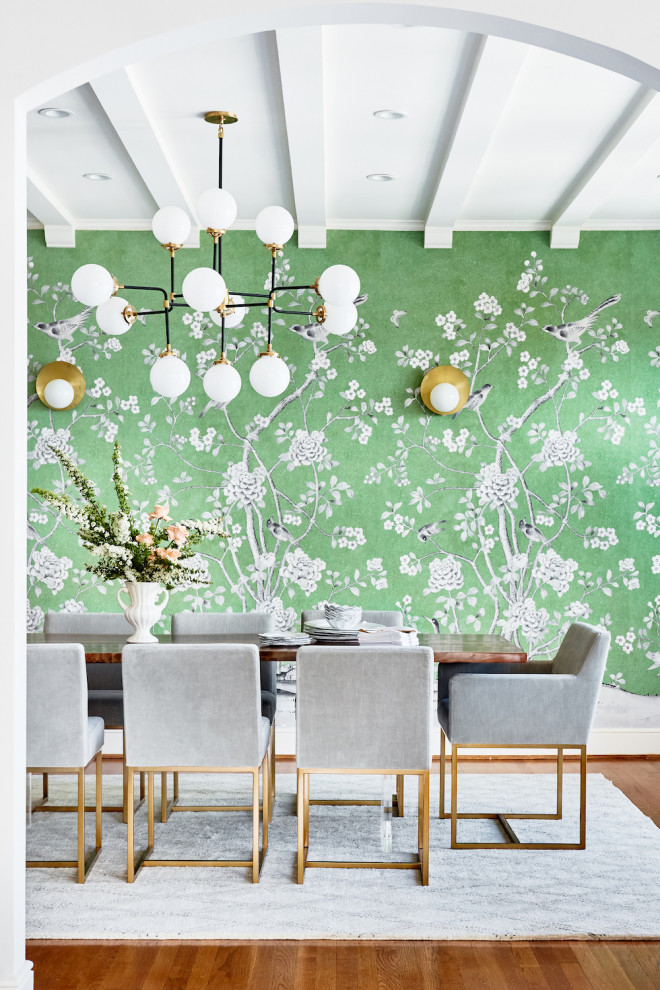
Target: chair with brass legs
[
  {"x": 383, "y": 618},
  {"x": 104, "y": 684},
  {"x": 196, "y": 709},
  {"x": 548, "y": 705},
  {"x": 362, "y": 710},
  {"x": 234, "y": 623},
  {"x": 61, "y": 737}
]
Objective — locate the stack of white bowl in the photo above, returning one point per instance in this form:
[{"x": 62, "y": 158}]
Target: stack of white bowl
[{"x": 343, "y": 616}]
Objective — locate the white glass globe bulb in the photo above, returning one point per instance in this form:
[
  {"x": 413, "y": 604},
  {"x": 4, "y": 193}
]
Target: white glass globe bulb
[
  {"x": 58, "y": 393},
  {"x": 216, "y": 209},
  {"x": 232, "y": 319},
  {"x": 222, "y": 382},
  {"x": 170, "y": 376},
  {"x": 92, "y": 285},
  {"x": 110, "y": 316},
  {"x": 204, "y": 289},
  {"x": 444, "y": 397},
  {"x": 171, "y": 225},
  {"x": 269, "y": 375},
  {"x": 339, "y": 284},
  {"x": 340, "y": 319},
  {"x": 274, "y": 225}
]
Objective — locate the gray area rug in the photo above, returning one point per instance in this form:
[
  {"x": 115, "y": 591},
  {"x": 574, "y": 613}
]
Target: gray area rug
[{"x": 608, "y": 890}]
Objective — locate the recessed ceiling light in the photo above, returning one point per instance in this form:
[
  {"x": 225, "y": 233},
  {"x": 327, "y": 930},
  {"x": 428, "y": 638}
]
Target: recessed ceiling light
[
  {"x": 97, "y": 176},
  {"x": 389, "y": 114},
  {"x": 380, "y": 177},
  {"x": 55, "y": 112}
]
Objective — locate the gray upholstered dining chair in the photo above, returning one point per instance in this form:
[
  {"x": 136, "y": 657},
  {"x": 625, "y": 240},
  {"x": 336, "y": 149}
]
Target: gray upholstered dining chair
[
  {"x": 367, "y": 711},
  {"x": 538, "y": 705},
  {"x": 195, "y": 709},
  {"x": 61, "y": 737},
  {"x": 368, "y": 615},
  {"x": 104, "y": 682},
  {"x": 235, "y": 623}
]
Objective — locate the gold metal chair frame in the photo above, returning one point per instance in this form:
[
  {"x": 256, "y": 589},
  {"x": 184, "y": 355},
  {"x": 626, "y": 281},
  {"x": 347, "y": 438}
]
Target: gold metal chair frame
[
  {"x": 83, "y": 865},
  {"x": 258, "y": 855},
  {"x": 397, "y": 799},
  {"x": 421, "y": 862},
  {"x": 512, "y": 841},
  {"x": 167, "y": 806}
]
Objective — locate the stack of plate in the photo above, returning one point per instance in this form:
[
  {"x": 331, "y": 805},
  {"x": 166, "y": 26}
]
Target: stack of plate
[
  {"x": 284, "y": 639},
  {"x": 323, "y": 632}
]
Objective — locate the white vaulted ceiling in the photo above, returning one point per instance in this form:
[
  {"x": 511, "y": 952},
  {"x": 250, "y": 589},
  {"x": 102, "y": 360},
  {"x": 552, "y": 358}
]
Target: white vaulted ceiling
[{"x": 497, "y": 136}]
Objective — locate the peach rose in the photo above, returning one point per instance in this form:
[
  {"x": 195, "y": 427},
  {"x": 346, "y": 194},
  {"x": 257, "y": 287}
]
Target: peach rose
[
  {"x": 167, "y": 553},
  {"x": 145, "y": 538},
  {"x": 177, "y": 534},
  {"x": 160, "y": 512}
]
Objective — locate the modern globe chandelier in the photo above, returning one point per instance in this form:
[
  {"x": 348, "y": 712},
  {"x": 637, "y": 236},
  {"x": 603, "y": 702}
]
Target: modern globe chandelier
[{"x": 204, "y": 289}]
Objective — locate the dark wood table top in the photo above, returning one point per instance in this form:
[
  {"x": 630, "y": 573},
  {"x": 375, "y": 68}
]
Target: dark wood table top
[{"x": 447, "y": 647}]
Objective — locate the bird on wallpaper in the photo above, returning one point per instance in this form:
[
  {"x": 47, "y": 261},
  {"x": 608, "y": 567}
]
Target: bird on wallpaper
[
  {"x": 396, "y": 316},
  {"x": 311, "y": 331},
  {"x": 571, "y": 332},
  {"x": 361, "y": 299},
  {"x": 279, "y": 532},
  {"x": 532, "y": 532},
  {"x": 650, "y": 316},
  {"x": 64, "y": 329},
  {"x": 476, "y": 400},
  {"x": 425, "y": 532}
]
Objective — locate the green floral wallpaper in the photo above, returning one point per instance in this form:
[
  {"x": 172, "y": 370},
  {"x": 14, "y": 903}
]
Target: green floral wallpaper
[{"x": 537, "y": 504}]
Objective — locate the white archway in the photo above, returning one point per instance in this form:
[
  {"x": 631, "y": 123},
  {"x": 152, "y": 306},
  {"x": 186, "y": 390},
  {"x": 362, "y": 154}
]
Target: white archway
[{"x": 47, "y": 49}]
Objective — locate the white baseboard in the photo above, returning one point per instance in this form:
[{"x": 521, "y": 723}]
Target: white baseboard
[
  {"x": 23, "y": 980},
  {"x": 602, "y": 742}
]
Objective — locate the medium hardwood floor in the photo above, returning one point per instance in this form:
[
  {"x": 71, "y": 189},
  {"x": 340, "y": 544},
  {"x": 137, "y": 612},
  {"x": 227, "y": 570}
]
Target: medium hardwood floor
[{"x": 350, "y": 965}]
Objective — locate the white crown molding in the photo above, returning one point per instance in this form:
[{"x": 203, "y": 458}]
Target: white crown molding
[
  {"x": 375, "y": 224},
  {"x": 621, "y": 225}
]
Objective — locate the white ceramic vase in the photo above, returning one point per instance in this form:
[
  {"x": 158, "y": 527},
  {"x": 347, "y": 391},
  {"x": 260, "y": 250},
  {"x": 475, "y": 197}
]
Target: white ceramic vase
[{"x": 143, "y": 609}]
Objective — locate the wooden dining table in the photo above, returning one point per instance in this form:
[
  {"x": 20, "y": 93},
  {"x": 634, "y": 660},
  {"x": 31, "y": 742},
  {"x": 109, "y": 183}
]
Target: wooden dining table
[{"x": 447, "y": 647}]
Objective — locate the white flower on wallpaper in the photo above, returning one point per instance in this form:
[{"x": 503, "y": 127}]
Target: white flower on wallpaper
[
  {"x": 243, "y": 487},
  {"x": 559, "y": 449},
  {"x": 48, "y": 438},
  {"x": 525, "y": 617},
  {"x": 298, "y": 568},
  {"x": 552, "y": 570},
  {"x": 306, "y": 449},
  {"x": 495, "y": 488},
  {"x": 48, "y": 569},
  {"x": 445, "y": 574}
]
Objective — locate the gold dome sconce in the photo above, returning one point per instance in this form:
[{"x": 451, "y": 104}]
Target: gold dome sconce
[
  {"x": 60, "y": 385},
  {"x": 445, "y": 389}
]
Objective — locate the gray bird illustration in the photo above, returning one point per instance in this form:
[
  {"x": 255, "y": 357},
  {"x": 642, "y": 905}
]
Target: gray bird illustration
[
  {"x": 571, "y": 332},
  {"x": 532, "y": 532},
  {"x": 396, "y": 316},
  {"x": 311, "y": 331},
  {"x": 361, "y": 299},
  {"x": 475, "y": 401},
  {"x": 430, "y": 529},
  {"x": 64, "y": 329},
  {"x": 650, "y": 316},
  {"x": 279, "y": 532}
]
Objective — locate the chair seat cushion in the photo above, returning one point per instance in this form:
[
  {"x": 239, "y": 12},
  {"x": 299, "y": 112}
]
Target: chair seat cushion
[
  {"x": 264, "y": 736},
  {"x": 268, "y": 705},
  {"x": 108, "y": 705},
  {"x": 95, "y": 729}
]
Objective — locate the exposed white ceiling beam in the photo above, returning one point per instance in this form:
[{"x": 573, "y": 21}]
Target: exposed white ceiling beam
[
  {"x": 119, "y": 95},
  {"x": 59, "y": 228},
  {"x": 300, "y": 53},
  {"x": 632, "y": 136},
  {"x": 488, "y": 74}
]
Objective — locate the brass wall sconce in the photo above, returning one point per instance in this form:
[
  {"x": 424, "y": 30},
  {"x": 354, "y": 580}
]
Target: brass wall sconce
[
  {"x": 60, "y": 385},
  {"x": 445, "y": 389}
]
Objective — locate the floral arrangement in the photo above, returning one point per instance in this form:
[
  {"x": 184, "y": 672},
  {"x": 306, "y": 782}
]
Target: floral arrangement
[{"x": 122, "y": 546}]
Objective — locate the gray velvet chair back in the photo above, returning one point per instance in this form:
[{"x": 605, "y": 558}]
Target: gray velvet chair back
[
  {"x": 223, "y": 623},
  {"x": 207, "y": 623},
  {"x": 368, "y": 615},
  {"x": 583, "y": 653},
  {"x": 90, "y": 623},
  {"x": 362, "y": 708},
  {"x": 57, "y": 725},
  {"x": 187, "y": 705}
]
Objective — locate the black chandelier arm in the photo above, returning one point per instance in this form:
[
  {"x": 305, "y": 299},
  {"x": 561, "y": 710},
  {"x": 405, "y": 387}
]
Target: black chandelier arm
[
  {"x": 290, "y": 287},
  {"x": 172, "y": 275},
  {"x": 152, "y": 312},
  {"x": 294, "y": 312},
  {"x": 146, "y": 288},
  {"x": 167, "y": 327},
  {"x": 256, "y": 295},
  {"x": 220, "y": 142}
]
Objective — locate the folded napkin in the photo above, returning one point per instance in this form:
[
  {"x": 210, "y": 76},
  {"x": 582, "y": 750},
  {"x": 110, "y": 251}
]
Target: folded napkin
[{"x": 388, "y": 636}]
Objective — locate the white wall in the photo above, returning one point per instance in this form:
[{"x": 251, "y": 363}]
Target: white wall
[{"x": 47, "y": 48}]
